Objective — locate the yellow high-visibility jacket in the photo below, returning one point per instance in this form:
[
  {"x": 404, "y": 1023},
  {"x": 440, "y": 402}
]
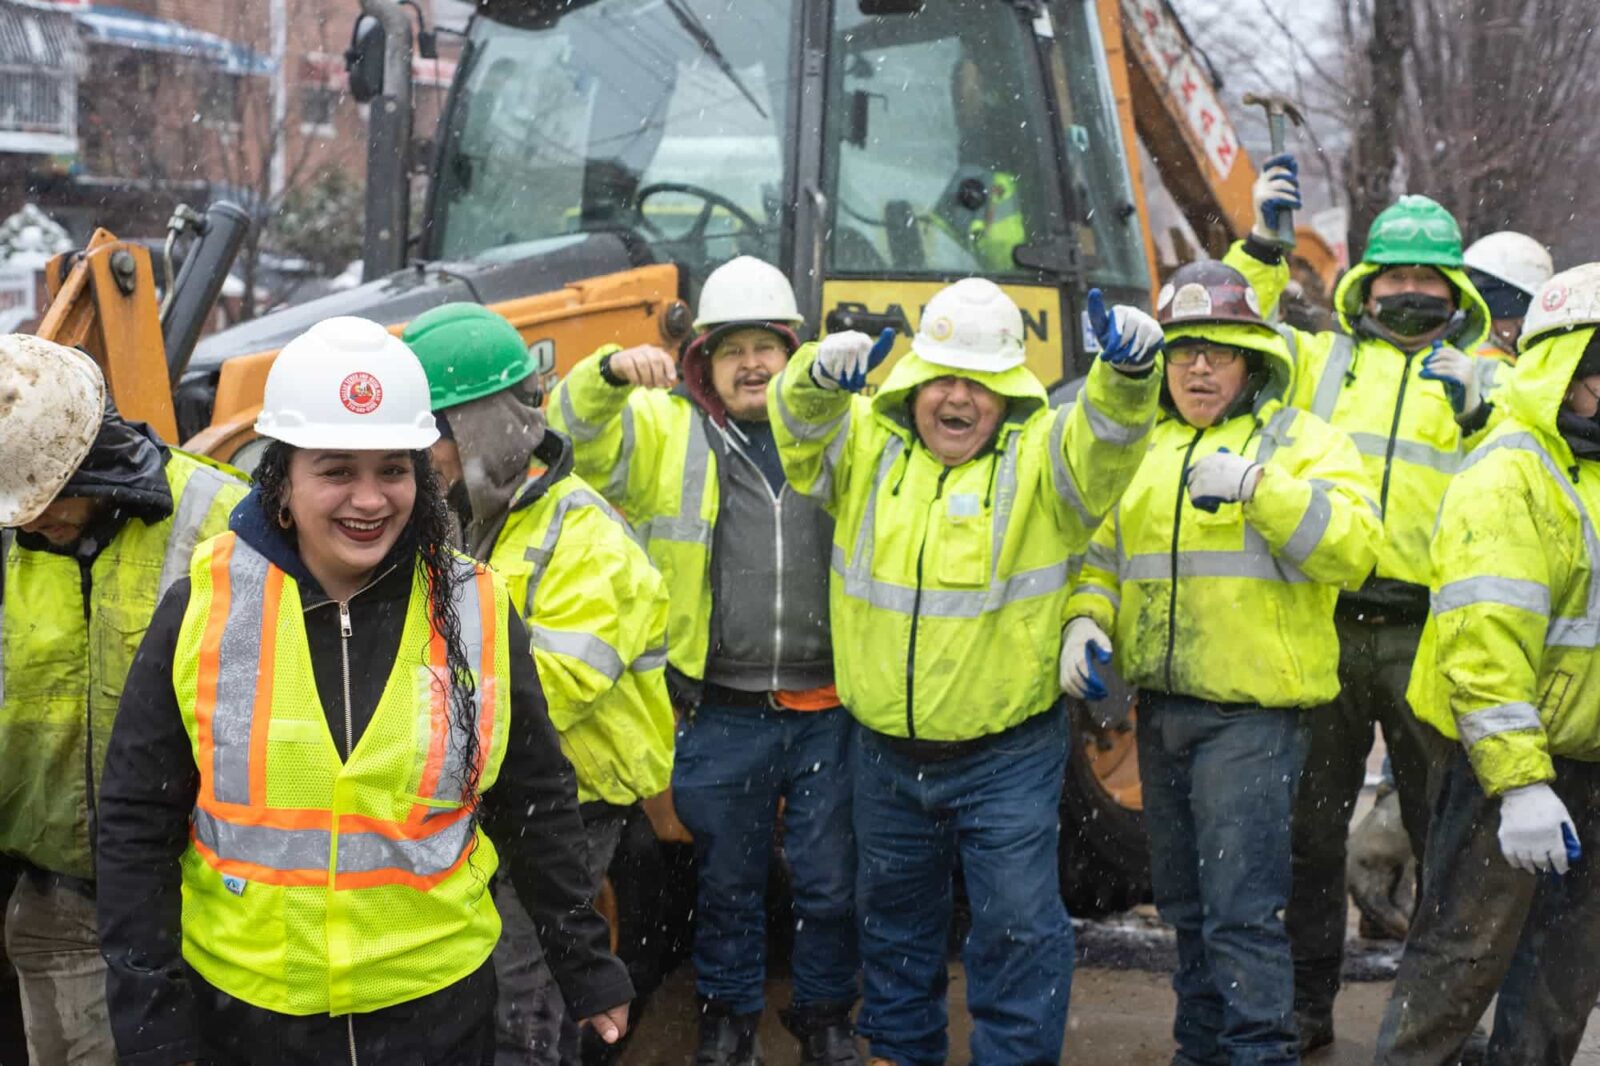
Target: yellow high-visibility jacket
[
  {"x": 597, "y": 621},
  {"x": 1235, "y": 606},
  {"x": 63, "y": 661},
  {"x": 1507, "y": 663},
  {"x": 1401, "y": 422},
  {"x": 949, "y": 582},
  {"x": 311, "y": 884}
]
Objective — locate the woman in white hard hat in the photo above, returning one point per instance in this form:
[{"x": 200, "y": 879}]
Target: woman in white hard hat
[{"x": 326, "y": 726}]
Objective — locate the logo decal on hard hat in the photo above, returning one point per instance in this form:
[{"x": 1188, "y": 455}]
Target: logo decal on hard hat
[
  {"x": 1164, "y": 297},
  {"x": 942, "y": 329},
  {"x": 361, "y": 393},
  {"x": 1554, "y": 297},
  {"x": 1191, "y": 301},
  {"x": 1251, "y": 299}
]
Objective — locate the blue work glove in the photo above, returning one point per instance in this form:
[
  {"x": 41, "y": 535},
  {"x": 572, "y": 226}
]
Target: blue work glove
[
  {"x": 1458, "y": 373},
  {"x": 1084, "y": 643},
  {"x": 845, "y": 359},
  {"x": 1220, "y": 478},
  {"x": 1276, "y": 189},
  {"x": 1129, "y": 339}
]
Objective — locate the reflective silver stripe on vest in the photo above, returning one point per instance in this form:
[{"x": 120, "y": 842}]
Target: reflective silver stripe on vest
[
  {"x": 585, "y": 647},
  {"x": 1409, "y": 451},
  {"x": 450, "y": 787},
  {"x": 1506, "y": 718},
  {"x": 687, "y": 527},
  {"x": 580, "y": 429},
  {"x": 539, "y": 555},
  {"x": 1101, "y": 557},
  {"x": 435, "y": 853},
  {"x": 1254, "y": 563},
  {"x": 1107, "y": 429},
  {"x": 616, "y": 486},
  {"x": 262, "y": 845},
  {"x": 1065, "y": 485},
  {"x": 1311, "y": 529},
  {"x": 1100, "y": 590},
  {"x": 238, "y": 663},
  {"x": 199, "y": 493},
  {"x": 860, "y": 584},
  {"x": 1562, "y": 632},
  {"x": 1334, "y": 373},
  {"x": 1276, "y": 434},
  {"x": 1500, "y": 591},
  {"x": 650, "y": 659}
]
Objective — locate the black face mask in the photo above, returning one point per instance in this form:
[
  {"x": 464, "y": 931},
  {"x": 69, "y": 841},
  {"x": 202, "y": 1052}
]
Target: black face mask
[{"x": 1411, "y": 314}]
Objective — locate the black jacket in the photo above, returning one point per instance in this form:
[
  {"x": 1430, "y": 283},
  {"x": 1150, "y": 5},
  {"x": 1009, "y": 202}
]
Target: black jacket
[{"x": 159, "y": 1007}]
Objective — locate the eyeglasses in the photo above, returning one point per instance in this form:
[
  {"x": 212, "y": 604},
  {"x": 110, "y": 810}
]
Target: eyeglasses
[
  {"x": 1437, "y": 229},
  {"x": 1218, "y": 357}
]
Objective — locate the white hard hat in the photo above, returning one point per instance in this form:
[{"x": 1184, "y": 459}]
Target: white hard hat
[
  {"x": 52, "y": 400},
  {"x": 348, "y": 383},
  {"x": 746, "y": 290},
  {"x": 1570, "y": 300},
  {"x": 971, "y": 325},
  {"x": 1514, "y": 258}
]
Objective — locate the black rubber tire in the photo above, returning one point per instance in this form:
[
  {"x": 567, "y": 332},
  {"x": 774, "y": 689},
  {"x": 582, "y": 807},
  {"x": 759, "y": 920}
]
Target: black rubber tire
[{"x": 1105, "y": 854}]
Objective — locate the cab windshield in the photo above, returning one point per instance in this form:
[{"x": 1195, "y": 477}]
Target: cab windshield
[{"x": 663, "y": 120}]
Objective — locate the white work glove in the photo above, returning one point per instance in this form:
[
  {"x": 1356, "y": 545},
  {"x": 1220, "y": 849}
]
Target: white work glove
[
  {"x": 845, "y": 359},
  {"x": 1459, "y": 374},
  {"x": 1532, "y": 821},
  {"x": 1083, "y": 643},
  {"x": 1276, "y": 189},
  {"x": 1129, "y": 339},
  {"x": 1222, "y": 477}
]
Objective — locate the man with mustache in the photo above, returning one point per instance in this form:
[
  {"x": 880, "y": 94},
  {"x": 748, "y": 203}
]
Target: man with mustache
[{"x": 687, "y": 455}]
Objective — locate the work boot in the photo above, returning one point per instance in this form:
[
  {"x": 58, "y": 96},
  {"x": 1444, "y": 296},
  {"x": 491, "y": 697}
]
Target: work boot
[
  {"x": 824, "y": 1031},
  {"x": 1315, "y": 1026},
  {"x": 726, "y": 1038}
]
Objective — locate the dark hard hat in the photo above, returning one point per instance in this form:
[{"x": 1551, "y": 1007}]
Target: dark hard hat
[{"x": 1207, "y": 291}]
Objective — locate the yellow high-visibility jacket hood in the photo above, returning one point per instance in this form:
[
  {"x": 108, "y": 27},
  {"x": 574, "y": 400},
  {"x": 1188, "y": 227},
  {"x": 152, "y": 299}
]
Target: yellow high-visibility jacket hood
[
  {"x": 1235, "y": 606},
  {"x": 948, "y": 583},
  {"x": 1401, "y": 422},
  {"x": 597, "y": 622},
  {"x": 1507, "y": 663}
]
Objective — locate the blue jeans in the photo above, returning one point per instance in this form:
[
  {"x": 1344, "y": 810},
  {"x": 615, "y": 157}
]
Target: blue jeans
[
  {"x": 732, "y": 766},
  {"x": 1219, "y": 786},
  {"x": 998, "y": 809}
]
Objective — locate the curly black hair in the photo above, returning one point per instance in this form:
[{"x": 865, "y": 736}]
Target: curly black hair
[{"x": 431, "y": 530}]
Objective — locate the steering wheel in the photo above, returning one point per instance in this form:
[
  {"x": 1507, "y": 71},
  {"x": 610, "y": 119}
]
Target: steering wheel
[{"x": 697, "y": 231}]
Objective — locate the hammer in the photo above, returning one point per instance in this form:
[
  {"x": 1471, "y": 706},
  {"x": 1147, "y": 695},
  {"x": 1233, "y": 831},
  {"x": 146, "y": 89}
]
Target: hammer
[{"x": 1278, "y": 108}]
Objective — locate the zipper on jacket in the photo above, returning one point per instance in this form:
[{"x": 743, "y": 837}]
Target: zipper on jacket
[
  {"x": 350, "y": 1027},
  {"x": 777, "y": 525},
  {"x": 1394, "y": 434},
  {"x": 916, "y": 611},
  {"x": 86, "y": 590},
  {"x": 1177, "y": 526},
  {"x": 345, "y": 631}
]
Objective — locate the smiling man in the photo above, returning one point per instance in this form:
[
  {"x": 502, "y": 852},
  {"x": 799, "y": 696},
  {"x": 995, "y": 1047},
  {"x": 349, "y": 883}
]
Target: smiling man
[
  {"x": 690, "y": 460},
  {"x": 1213, "y": 583},
  {"x": 102, "y": 518},
  {"x": 960, "y": 498}
]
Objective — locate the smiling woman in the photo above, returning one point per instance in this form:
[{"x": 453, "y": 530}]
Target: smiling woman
[{"x": 334, "y": 638}]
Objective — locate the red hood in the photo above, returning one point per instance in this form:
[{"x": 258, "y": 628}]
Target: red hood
[{"x": 696, "y": 363}]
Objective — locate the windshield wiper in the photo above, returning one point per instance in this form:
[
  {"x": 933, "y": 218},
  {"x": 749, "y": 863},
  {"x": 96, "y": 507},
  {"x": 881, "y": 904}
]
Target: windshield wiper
[{"x": 695, "y": 28}]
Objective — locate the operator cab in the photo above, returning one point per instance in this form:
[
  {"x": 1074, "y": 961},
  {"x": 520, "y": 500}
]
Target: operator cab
[{"x": 875, "y": 149}]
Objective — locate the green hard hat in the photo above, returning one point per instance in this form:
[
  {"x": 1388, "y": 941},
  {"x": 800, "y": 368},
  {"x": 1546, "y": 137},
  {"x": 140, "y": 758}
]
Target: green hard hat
[
  {"x": 1414, "y": 230},
  {"x": 468, "y": 352}
]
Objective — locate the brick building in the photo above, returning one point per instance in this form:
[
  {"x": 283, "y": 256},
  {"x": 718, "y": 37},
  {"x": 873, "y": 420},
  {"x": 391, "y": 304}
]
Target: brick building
[{"x": 191, "y": 100}]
